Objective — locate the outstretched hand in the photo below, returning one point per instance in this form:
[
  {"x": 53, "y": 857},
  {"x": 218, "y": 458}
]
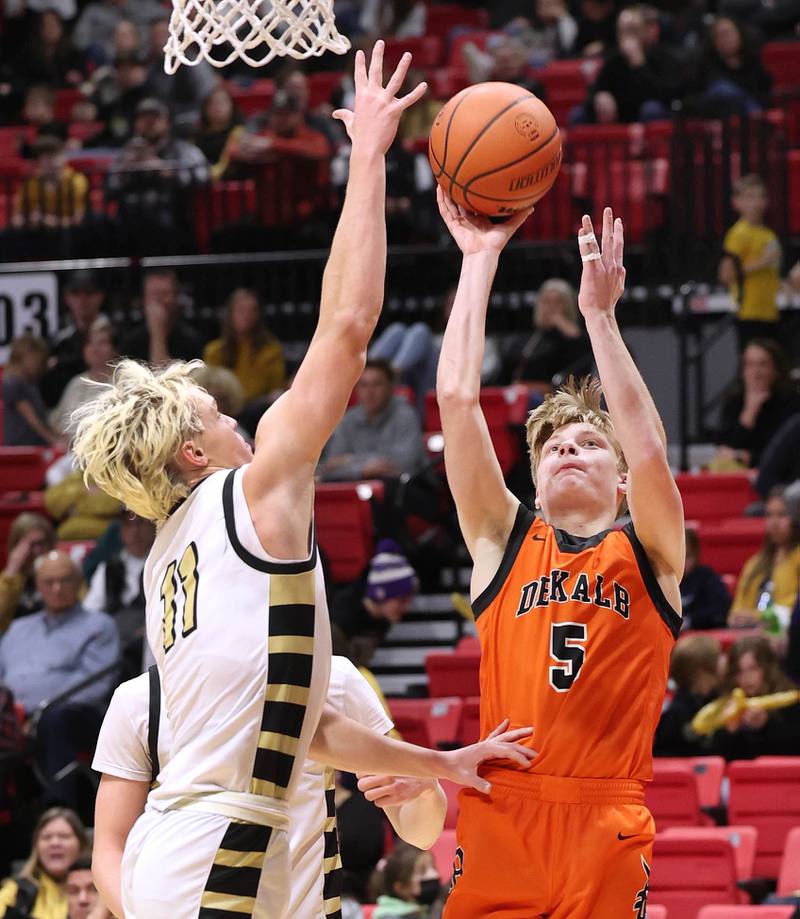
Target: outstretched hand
[
  {"x": 474, "y": 233},
  {"x": 499, "y": 745},
  {"x": 377, "y": 109},
  {"x": 603, "y": 277}
]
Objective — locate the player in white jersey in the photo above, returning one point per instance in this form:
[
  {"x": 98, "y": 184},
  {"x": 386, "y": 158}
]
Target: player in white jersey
[
  {"x": 235, "y": 608},
  {"x": 134, "y": 743}
]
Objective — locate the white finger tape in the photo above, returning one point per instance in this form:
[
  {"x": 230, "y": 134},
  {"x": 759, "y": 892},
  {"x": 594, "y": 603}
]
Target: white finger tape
[
  {"x": 588, "y": 238},
  {"x": 591, "y": 257}
]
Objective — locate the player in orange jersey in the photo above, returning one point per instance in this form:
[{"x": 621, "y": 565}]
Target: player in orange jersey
[{"x": 576, "y": 620}]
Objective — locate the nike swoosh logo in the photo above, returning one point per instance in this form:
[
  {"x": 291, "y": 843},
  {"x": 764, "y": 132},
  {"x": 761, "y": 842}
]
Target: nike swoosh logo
[
  {"x": 621, "y": 838},
  {"x": 538, "y": 538}
]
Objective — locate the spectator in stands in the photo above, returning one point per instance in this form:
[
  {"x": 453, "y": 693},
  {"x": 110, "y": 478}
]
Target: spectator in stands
[
  {"x": 770, "y": 578},
  {"x": 399, "y": 18},
  {"x": 165, "y": 335},
  {"x": 100, "y": 352},
  {"x": 118, "y": 94},
  {"x": 55, "y": 197},
  {"x": 640, "y": 80},
  {"x": 730, "y": 76},
  {"x": 553, "y": 33},
  {"x": 81, "y": 511},
  {"x": 285, "y": 135},
  {"x": 48, "y": 56},
  {"x": 558, "y": 346},
  {"x": 380, "y": 437},
  {"x": 755, "y": 406},
  {"x": 220, "y": 125},
  {"x": 370, "y": 606},
  {"x": 150, "y": 178},
  {"x": 597, "y": 27},
  {"x": 249, "y": 349},
  {"x": 38, "y": 890},
  {"x": 704, "y": 597},
  {"x": 116, "y": 587},
  {"x": 94, "y": 31},
  {"x": 39, "y": 112},
  {"x": 292, "y": 80},
  {"x": 757, "y": 248},
  {"x": 83, "y": 900},
  {"x": 407, "y": 884},
  {"x": 46, "y": 653},
  {"x": 30, "y": 536},
  {"x": 695, "y": 670},
  {"x": 505, "y": 60},
  {"x": 25, "y": 417},
  {"x": 793, "y": 643},
  {"x": 83, "y": 298},
  {"x": 413, "y": 351},
  {"x": 184, "y": 90},
  {"x": 754, "y": 668},
  {"x": 780, "y": 459}
]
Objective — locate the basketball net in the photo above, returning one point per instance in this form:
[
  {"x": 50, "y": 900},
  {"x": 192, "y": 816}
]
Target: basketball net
[{"x": 255, "y": 31}]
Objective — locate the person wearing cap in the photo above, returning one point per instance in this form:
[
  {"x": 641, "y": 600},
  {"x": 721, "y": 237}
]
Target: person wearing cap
[
  {"x": 372, "y": 605},
  {"x": 117, "y": 94},
  {"x": 83, "y": 297}
]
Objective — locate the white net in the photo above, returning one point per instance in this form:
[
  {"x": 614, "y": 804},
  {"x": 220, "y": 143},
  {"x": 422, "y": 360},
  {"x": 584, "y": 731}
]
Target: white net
[{"x": 256, "y": 31}]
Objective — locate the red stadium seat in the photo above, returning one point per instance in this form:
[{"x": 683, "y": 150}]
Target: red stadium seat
[
  {"x": 453, "y": 674},
  {"x": 725, "y": 547},
  {"x": 65, "y": 101},
  {"x": 344, "y": 526},
  {"x": 447, "y": 81},
  {"x": 690, "y": 873},
  {"x": 23, "y": 468},
  {"x": 566, "y": 84},
  {"x": 745, "y": 912},
  {"x": 654, "y": 911},
  {"x": 766, "y": 795},
  {"x": 479, "y": 37},
  {"x": 443, "y": 852},
  {"x": 469, "y": 644},
  {"x": 427, "y": 722},
  {"x": 452, "y": 792},
  {"x": 321, "y": 86},
  {"x": 367, "y": 909},
  {"x": 793, "y": 169},
  {"x": 781, "y": 60},
  {"x": 744, "y": 840},
  {"x": 711, "y": 497},
  {"x": 789, "y": 877},
  {"x": 254, "y": 99},
  {"x": 708, "y": 773},
  {"x": 441, "y": 19},
  {"x": 470, "y": 728},
  {"x": 426, "y": 50},
  {"x": 672, "y": 796}
]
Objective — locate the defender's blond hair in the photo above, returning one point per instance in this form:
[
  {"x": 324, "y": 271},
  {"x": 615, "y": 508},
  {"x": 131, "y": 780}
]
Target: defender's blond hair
[
  {"x": 127, "y": 438},
  {"x": 577, "y": 401}
]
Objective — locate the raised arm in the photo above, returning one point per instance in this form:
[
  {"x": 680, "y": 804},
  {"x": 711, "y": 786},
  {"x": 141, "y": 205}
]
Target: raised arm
[
  {"x": 486, "y": 509},
  {"x": 653, "y": 497},
  {"x": 293, "y": 432}
]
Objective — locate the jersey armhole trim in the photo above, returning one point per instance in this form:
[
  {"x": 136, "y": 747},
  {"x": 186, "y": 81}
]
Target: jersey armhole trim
[
  {"x": 154, "y": 722},
  {"x": 664, "y": 608},
  {"x": 522, "y": 523},
  {"x": 261, "y": 564}
]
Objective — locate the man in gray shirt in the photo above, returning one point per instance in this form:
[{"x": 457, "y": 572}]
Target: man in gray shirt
[
  {"x": 380, "y": 437},
  {"x": 46, "y": 653}
]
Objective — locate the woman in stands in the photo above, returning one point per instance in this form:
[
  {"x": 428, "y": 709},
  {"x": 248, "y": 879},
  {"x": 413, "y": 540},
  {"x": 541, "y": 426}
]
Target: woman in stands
[
  {"x": 754, "y": 668},
  {"x": 770, "y": 578},
  {"x": 407, "y": 885},
  {"x": 30, "y": 536},
  {"x": 220, "y": 124},
  {"x": 38, "y": 889},
  {"x": 755, "y": 406}
]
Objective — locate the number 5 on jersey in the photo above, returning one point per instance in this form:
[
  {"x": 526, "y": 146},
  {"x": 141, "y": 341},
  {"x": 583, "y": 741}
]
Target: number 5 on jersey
[
  {"x": 568, "y": 647},
  {"x": 185, "y": 572}
]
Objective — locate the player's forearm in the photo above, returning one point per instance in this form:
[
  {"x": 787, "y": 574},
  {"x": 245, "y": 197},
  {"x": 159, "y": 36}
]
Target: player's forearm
[
  {"x": 637, "y": 424},
  {"x": 352, "y": 286},
  {"x": 345, "y": 744},
  {"x": 420, "y": 822},
  {"x": 106, "y": 872},
  {"x": 459, "y": 373}
]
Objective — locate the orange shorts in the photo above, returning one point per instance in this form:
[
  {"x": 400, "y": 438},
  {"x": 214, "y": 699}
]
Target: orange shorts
[{"x": 542, "y": 846}]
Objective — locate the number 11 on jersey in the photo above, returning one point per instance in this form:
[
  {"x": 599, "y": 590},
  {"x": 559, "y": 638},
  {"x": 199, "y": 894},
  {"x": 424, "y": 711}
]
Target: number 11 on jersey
[{"x": 185, "y": 572}]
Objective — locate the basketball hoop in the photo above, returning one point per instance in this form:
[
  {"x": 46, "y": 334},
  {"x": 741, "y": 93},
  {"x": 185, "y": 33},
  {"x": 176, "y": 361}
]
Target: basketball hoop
[{"x": 254, "y": 30}]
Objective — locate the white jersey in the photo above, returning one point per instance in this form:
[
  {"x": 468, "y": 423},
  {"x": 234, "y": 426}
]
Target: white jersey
[
  {"x": 123, "y": 750},
  {"x": 242, "y": 644}
]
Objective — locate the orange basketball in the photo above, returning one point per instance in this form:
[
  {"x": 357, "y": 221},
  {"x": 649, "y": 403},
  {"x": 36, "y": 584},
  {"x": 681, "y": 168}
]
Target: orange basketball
[{"x": 495, "y": 148}]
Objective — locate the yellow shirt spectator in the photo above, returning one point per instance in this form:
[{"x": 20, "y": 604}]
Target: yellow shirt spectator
[
  {"x": 757, "y": 299},
  {"x": 785, "y": 578},
  {"x": 62, "y": 198}
]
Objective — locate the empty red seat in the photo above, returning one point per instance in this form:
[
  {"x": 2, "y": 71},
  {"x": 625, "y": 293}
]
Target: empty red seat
[
  {"x": 745, "y": 912},
  {"x": 672, "y": 796},
  {"x": 690, "y": 873},
  {"x": 709, "y": 497},
  {"x": 443, "y": 852},
  {"x": 766, "y": 795},
  {"x": 566, "y": 84},
  {"x": 441, "y": 19},
  {"x": 782, "y": 61},
  {"x": 427, "y": 722},
  {"x": 452, "y": 792},
  {"x": 65, "y": 100},
  {"x": 469, "y": 644},
  {"x": 367, "y": 909},
  {"x": 23, "y": 468},
  {"x": 321, "y": 86},
  {"x": 479, "y": 37},
  {"x": 344, "y": 526},
  {"x": 726, "y": 548},
  {"x": 793, "y": 194},
  {"x": 453, "y": 674},
  {"x": 655, "y": 911},
  {"x": 789, "y": 877},
  {"x": 426, "y": 51},
  {"x": 707, "y": 770},
  {"x": 743, "y": 839},
  {"x": 469, "y": 730},
  {"x": 255, "y": 99}
]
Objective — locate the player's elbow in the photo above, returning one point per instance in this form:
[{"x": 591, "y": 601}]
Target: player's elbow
[{"x": 454, "y": 396}]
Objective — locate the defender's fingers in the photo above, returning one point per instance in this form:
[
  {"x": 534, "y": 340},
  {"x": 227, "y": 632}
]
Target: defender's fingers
[
  {"x": 360, "y": 69},
  {"x": 414, "y": 96},
  {"x": 587, "y": 241},
  {"x": 399, "y": 75},
  {"x": 376, "y": 64}
]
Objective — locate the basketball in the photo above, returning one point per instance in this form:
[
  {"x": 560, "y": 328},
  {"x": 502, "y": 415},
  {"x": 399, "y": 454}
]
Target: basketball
[{"x": 495, "y": 148}]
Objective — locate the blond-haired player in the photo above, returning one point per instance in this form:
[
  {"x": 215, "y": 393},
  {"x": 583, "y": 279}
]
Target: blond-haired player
[
  {"x": 235, "y": 601},
  {"x": 576, "y": 619}
]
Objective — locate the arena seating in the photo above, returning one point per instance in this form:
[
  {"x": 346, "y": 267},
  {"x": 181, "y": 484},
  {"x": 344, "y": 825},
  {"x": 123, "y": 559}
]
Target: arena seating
[
  {"x": 690, "y": 873},
  {"x": 708, "y": 772},
  {"x": 345, "y": 527},
  {"x": 672, "y": 796},
  {"x": 23, "y": 468},
  {"x": 745, "y": 912},
  {"x": 789, "y": 877},
  {"x": 712, "y": 497},
  {"x": 453, "y": 674},
  {"x": 743, "y": 839},
  {"x": 428, "y": 722},
  {"x": 443, "y": 851},
  {"x": 469, "y": 730},
  {"x": 452, "y": 791},
  {"x": 655, "y": 911}
]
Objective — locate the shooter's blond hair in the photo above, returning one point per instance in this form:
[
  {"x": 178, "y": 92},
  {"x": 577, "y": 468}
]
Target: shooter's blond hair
[
  {"x": 577, "y": 401},
  {"x": 127, "y": 438}
]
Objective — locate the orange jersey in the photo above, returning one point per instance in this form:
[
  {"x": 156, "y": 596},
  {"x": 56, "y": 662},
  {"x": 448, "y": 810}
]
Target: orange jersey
[{"x": 576, "y": 636}]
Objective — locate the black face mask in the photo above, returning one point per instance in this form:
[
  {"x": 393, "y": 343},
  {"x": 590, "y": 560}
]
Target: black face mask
[{"x": 429, "y": 891}]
